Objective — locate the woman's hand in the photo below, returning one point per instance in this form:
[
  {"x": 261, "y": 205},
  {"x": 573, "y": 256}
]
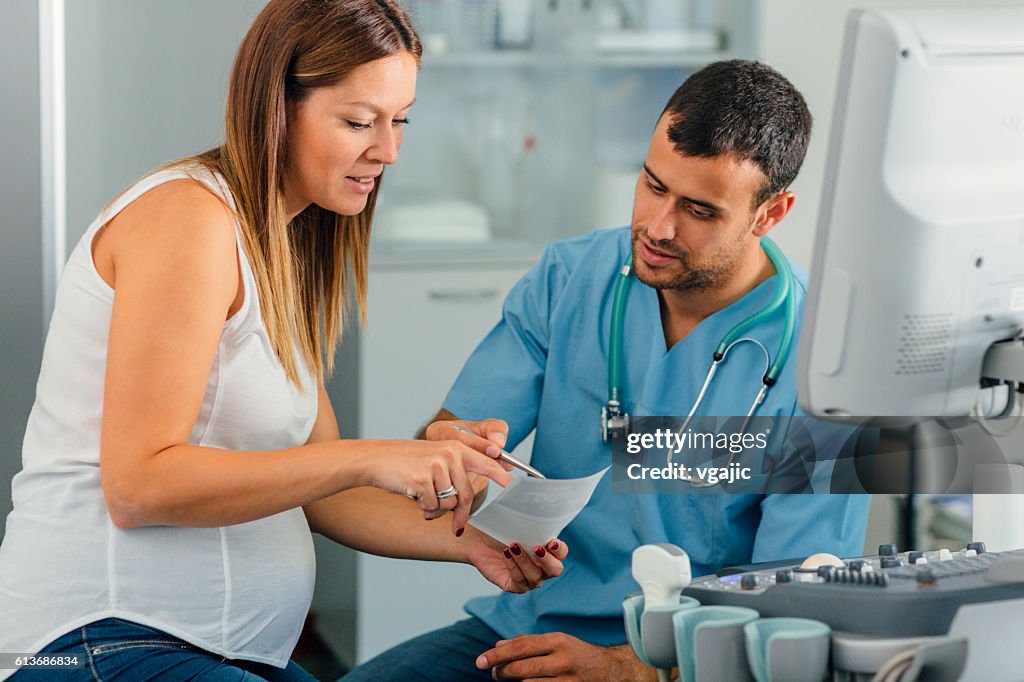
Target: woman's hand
[
  {"x": 421, "y": 469},
  {"x": 488, "y": 436},
  {"x": 514, "y": 568}
]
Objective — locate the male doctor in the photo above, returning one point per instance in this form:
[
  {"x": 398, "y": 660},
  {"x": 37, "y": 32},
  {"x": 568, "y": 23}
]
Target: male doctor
[{"x": 714, "y": 182}]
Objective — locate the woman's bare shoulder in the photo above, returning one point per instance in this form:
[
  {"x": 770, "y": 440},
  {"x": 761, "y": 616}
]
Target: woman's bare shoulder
[
  {"x": 183, "y": 208},
  {"x": 180, "y": 220}
]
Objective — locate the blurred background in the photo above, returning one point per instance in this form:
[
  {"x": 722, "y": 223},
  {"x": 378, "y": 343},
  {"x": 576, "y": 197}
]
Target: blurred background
[{"x": 531, "y": 123}]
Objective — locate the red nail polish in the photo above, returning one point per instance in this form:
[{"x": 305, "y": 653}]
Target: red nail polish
[
  {"x": 508, "y": 554},
  {"x": 553, "y": 546},
  {"x": 459, "y": 532},
  {"x": 539, "y": 552},
  {"x": 516, "y": 549}
]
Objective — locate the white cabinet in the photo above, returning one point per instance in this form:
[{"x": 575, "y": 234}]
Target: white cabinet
[
  {"x": 424, "y": 321},
  {"x": 425, "y": 318}
]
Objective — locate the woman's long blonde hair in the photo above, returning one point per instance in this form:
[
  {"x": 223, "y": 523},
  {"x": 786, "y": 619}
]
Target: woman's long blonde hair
[{"x": 303, "y": 269}]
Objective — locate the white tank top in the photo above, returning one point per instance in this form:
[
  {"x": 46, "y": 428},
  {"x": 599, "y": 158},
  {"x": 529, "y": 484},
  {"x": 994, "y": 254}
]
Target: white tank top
[{"x": 240, "y": 591}]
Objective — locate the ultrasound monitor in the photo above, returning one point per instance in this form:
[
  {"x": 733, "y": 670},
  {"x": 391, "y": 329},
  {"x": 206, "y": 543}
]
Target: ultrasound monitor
[{"x": 919, "y": 254}]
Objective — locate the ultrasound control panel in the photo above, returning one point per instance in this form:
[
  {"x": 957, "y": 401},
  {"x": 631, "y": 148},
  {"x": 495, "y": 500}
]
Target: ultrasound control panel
[{"x": 891, "y": 594}]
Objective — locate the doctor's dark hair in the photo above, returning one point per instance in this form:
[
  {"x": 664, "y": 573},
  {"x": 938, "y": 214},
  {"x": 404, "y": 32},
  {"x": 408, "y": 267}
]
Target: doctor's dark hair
[
  {"x": 743, "y": 108},
  {"x": 304, "y": 268}
]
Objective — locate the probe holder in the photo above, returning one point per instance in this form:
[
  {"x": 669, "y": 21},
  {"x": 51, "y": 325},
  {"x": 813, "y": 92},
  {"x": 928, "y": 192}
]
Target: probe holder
[
  {"x": 710, "y": 643},
  {"x": 788, "y": 649},
  {"x": 651, "y": 632}
]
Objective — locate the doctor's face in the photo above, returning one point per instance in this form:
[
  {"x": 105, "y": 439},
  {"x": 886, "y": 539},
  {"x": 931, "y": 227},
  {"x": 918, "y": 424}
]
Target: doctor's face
[
  {"x": 340, "y": 137},
  {"x": 693, "y": 217}
]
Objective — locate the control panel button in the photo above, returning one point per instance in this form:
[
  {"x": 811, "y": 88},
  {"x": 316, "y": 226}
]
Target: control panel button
[
  {"x": 890, "y": 562},
  {"x": 784, "y": 576},
  {"x": 887, "y": 550},
  {"x": 915, "y": 558},
  {"x": 822, "y": 559},
  {"x": 748, "y": 581},
  {"x": 978, "y": 547}
]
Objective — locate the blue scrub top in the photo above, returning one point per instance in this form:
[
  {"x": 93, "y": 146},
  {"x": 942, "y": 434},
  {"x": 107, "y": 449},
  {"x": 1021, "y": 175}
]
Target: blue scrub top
[{"x": 545, "y": 366}]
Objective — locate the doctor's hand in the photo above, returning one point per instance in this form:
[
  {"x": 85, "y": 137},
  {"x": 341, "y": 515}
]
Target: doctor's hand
[
  {"x": 422, "y": 469},
  {"x": 513, "y": 568},
  {"x": 559, "y": 656},
  {"x": 488, "y": 435}
]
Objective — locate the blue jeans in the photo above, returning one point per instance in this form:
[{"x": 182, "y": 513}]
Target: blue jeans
[
  {"x": 115, "y": 649},
  {"x": 445, "y": 655}
]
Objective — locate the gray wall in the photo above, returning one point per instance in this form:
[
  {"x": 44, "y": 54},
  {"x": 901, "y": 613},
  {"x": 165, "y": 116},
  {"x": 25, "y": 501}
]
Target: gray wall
[
  {"x": 146, "y": 83},
  {"x": 21, "y": 295}
]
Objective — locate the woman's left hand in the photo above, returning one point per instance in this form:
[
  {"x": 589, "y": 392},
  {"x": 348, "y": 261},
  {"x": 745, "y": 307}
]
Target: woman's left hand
[{"x": 513, "y": 568}]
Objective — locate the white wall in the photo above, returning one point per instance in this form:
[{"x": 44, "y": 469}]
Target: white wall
[{"x": 803, "y": 39}]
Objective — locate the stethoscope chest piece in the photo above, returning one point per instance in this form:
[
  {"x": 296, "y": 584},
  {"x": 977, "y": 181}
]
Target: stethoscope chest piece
[{"x": 614, "y": 423}]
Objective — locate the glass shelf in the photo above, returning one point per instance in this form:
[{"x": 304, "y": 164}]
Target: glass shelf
[
  {"x": 528, "y": 59},
  {"x": 541, "y": 138}
]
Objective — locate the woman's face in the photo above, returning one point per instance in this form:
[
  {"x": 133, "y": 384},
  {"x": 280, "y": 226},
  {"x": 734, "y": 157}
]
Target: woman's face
[{"x": 341, "y": 136}]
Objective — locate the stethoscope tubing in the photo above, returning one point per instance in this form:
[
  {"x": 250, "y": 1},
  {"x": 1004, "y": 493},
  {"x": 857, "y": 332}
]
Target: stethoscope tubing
[
  {"x": 784, "y": 295},
  {"x": 762, "y": 392},
  {"x": 622, "y": 287}
]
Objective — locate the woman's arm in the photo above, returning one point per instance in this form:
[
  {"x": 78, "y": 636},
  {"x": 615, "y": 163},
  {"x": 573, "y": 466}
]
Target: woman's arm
[
  {"x": 171, "y": 258},
  {"x": 372, "y": 521}
]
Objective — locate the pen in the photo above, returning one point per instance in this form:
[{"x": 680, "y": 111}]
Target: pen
[{"x": 507, "y": 458}]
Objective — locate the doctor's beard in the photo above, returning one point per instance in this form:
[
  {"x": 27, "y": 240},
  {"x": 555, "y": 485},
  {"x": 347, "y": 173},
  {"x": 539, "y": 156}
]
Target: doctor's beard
[{"x": 709, "y": 273}]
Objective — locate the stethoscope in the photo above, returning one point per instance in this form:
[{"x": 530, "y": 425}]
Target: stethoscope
[{"x": 615, "y": 421}]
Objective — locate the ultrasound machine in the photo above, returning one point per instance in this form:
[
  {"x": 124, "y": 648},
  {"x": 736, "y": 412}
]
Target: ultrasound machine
[{"x": 915, "y": 310}]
